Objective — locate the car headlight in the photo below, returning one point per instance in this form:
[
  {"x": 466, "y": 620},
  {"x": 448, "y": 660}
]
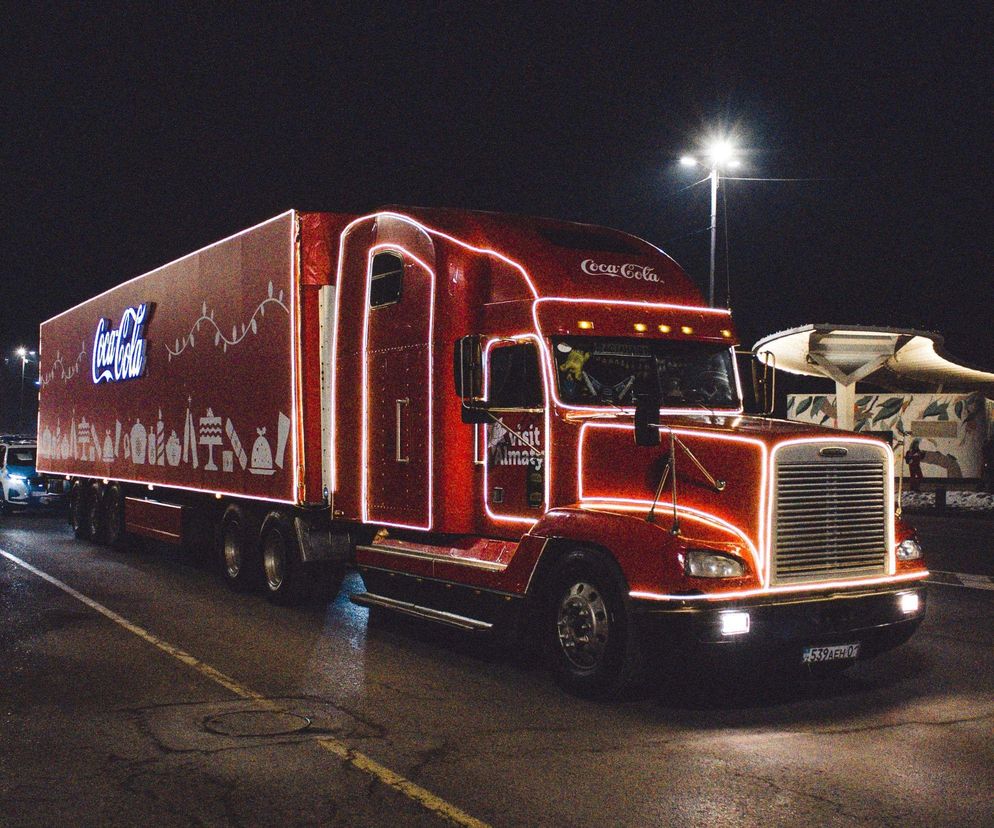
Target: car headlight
[
  {"x": 703, "y": 563},
  {"x": 20, "y": 478},
  {"x": 909, "y": 550}
]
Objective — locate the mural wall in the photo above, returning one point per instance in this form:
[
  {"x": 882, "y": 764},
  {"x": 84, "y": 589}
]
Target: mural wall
[{"x": 950, "y": 428}]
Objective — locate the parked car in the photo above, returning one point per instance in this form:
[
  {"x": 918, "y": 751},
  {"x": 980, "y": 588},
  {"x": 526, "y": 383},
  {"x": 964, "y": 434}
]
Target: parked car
[{"x": 20, "y": 483}]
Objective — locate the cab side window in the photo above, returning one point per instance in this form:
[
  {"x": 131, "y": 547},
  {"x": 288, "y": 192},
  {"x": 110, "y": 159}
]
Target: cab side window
[
  {"x": 386, "y": 279},
  {"x": 515, "y": 377}
]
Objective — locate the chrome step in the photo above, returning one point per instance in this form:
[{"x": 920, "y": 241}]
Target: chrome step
[{"x": 450, "y": 619}]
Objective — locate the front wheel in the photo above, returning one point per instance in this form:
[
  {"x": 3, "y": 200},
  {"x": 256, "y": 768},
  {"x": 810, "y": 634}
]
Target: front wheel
[{"x": 589, "y": 634}]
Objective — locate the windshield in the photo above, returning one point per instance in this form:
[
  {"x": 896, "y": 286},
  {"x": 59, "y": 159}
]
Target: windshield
[
  {"x": 21, "y": 457},
  {"x": 594, "y": 370}
]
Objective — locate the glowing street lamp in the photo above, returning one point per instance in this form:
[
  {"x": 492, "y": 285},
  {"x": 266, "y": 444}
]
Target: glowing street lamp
[
  {"x": 23, "y": 354},
  {"x": 718, "y": 155}
]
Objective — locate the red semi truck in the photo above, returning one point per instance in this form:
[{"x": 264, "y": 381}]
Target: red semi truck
[{"x": 497, "y": 420}]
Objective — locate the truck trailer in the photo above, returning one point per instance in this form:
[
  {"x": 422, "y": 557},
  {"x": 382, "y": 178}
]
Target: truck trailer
[{"x": 502, "y": 422}]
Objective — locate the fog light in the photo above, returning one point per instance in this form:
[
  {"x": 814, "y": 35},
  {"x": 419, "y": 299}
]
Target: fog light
[
  {"x": 736, "y": 623},
  {"x": 909, "y": 602}
]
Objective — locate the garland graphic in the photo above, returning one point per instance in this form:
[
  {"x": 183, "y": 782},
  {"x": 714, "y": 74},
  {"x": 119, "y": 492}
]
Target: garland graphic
[
  {"x": 67, "y": 373},
  {"x": 219, "y": 337}
]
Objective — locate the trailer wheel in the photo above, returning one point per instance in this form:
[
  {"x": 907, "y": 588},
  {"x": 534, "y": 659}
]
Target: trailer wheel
[
  {"x": 113, "y": 516},
  {"x": 593, "y": 646},
  {"x": 78, "y": 509},
  {"x": 237, "y": 548},
  {"x": 93, "y": 515},
  {"x": 286, "y": 578}
]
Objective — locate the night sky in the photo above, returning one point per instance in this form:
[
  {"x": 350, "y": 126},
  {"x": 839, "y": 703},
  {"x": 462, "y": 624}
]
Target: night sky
[{"x": 131, "y": 140}]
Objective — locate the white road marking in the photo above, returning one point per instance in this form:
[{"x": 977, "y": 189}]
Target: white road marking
[
  {"x": 961, "y": 579},
  {"x": 358, "y": 760}
]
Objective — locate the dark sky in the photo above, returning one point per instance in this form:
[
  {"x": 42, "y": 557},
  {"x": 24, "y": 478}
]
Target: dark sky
[{"x": 130, "y": 140}]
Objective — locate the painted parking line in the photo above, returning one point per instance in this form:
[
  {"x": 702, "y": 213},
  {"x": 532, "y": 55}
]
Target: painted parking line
[
  {"x": 425, "y": 798},
  {"x": 960, "y": 579}
]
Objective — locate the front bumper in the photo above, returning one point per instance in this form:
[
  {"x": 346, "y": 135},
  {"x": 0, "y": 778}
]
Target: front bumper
[
  {"x": 32, "y": 495},
  {"x": 781, "y": 627}
]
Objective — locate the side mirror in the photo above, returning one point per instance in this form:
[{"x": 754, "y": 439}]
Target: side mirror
[
  {"x": 467, "y": 367},
  {"x": 647, "y": 404}
]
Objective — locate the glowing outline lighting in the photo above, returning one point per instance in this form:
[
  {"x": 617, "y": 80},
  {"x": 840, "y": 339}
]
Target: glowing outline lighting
[
  {"x": 294, "y": 402},
  {"x": 546, "y": 439},
  {"x": 756, "y": 548},
  {"x": 403, "y": 252},
  {"x": 764, "y": 543}
]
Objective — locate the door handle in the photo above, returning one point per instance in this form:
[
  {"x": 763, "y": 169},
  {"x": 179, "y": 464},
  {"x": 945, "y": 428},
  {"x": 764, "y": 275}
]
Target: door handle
[{"x": 397, "y": 447}]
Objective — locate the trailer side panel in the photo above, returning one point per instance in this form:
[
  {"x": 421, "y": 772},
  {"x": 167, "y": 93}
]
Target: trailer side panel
[{"x": 182, "y": 377}]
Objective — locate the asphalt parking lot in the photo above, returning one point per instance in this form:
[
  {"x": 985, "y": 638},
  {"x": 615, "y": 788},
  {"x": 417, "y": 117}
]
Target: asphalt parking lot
[{"x": 135, "y": 689}]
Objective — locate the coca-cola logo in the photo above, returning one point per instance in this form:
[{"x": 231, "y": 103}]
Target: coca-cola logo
[
  {"x": 629, "y": 270},
  {"x": 120, "y": 354}
]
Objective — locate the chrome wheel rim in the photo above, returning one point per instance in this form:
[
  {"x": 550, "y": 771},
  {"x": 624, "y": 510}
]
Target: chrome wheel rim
[
  {"x": 583, "y": 626},
  {"x": 274, "y": 560},
  {"x": 232, "y": 552}
]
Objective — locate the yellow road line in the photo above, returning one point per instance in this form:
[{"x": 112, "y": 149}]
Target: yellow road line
[{"x": 359, "y": 761}]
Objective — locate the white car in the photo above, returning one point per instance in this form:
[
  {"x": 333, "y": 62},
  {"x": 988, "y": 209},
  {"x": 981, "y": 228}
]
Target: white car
[{"x": 20, "y": 484}]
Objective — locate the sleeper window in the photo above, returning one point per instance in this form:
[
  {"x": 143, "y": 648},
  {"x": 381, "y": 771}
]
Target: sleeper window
[{"x": 386, "y": 279}]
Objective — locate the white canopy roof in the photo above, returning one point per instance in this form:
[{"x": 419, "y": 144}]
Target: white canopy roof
[{"x": 895, "y": 358}]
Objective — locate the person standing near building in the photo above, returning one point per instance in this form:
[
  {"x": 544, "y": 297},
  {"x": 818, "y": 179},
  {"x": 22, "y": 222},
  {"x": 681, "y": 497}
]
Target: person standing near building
[{"x": 913, "y": 457}]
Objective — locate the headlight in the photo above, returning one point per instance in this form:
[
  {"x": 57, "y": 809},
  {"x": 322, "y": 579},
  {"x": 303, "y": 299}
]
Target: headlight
[
  {"x": 20, "y": 478},
  {"x": 703, "y": 563},
  {"x": 909, "y": 550}
]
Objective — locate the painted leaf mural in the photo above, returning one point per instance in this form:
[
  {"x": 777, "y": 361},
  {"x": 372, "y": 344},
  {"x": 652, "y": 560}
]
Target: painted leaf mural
[{"x": 888, "y": 409}]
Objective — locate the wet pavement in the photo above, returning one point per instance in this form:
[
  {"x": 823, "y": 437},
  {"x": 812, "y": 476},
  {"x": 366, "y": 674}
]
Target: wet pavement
[{"x": 150, "y": 694}]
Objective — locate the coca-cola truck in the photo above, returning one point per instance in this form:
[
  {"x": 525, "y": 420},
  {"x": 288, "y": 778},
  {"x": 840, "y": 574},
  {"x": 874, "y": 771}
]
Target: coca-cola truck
[{"x": 498, "y": 420}]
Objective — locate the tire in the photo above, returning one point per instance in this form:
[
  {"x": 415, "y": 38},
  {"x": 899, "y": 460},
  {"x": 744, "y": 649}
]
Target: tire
[
  {"x": 286, "y": 579},
  {"x": 78, "y": 508},
  {"x": 589, "y": 636},
  {"x": 93, "y": 515},
  {"x": 238, "y": 548},
  {"x": 113, "y": 516}
]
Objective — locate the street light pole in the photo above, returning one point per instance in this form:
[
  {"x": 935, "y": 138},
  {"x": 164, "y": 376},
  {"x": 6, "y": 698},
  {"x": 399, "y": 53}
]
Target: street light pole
[
  {"x": 714, "y": 229},
  {"x": 717, "y": 154},
  {"x": 23, "y": 353}
]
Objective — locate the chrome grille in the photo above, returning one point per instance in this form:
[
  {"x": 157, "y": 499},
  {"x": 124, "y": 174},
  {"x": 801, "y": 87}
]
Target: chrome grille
[{"x": 831, "y": 516}]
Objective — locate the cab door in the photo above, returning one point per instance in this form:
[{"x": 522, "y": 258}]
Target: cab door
[
  {"x": 515, "y": 461},
  {"x": 397, "y": 395}
]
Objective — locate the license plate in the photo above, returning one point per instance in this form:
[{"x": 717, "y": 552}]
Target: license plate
[{"x": 837, "y": 652}]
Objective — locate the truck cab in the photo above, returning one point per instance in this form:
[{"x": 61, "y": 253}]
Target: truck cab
[{"x": 588, "y": 464}]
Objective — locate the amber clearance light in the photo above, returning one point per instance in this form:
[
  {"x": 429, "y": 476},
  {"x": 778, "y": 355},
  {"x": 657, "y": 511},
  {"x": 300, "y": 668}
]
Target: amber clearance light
[
  {"x": 584, "y": 325},
  {"x": 665, "y": 329},
  {"x": 641, "y": 327},
  {"x": 686, "y": 329}
]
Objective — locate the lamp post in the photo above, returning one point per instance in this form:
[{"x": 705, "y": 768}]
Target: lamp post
[
  {"x": 23, "y": 354},
  {"x": 717, "y": 155}
]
